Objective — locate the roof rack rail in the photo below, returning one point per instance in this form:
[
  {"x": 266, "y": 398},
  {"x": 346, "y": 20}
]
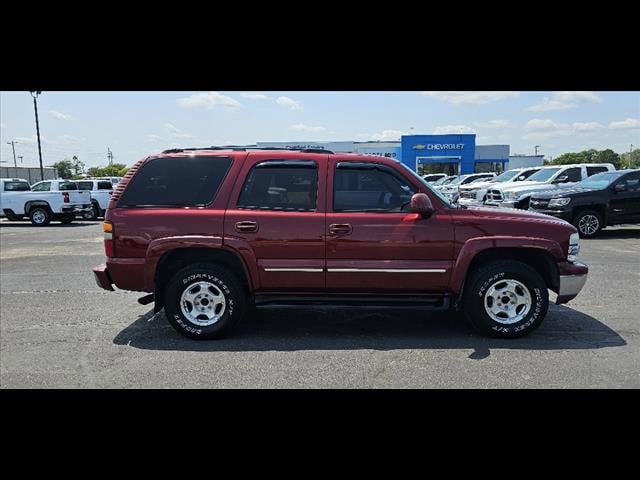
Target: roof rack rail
[
  {"x": 315, "y": 150},
  {"x": 239, "y": 148}
]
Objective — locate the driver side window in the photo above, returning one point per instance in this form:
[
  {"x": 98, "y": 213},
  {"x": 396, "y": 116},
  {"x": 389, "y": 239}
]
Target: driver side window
[{"x": 370, "y": 189}]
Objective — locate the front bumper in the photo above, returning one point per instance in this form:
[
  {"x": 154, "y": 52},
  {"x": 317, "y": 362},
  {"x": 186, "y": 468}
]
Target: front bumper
[
  {"x": 469, "y": 202},
  {"x": 102, "y": 277},
  {"x": 573, "y": 276},
  {"x": 77, "y": 208},
  {"x": 562, "y": 214}
]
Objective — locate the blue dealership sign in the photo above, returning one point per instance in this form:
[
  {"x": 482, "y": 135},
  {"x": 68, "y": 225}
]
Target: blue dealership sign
[{"x": 433, "y": 149}]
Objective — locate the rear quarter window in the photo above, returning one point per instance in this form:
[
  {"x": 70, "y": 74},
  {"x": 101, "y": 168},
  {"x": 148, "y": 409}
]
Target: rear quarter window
[
  {"x": 176, "y": 182},
  {"x": 85, "y": 185},
  {"x": 15, "y": 186},
  {"x": 105, "y": 186},
  {"x": 65, "y": 186}
]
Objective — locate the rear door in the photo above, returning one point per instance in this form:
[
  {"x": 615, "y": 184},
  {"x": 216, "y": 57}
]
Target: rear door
[
  {"x": 276, "y": 215},
  {"x": 373, "y": 243}
]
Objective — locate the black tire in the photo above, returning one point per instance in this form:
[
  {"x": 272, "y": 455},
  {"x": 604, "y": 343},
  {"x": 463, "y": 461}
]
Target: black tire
[
  {"x": 67, "y": 219},
  {"x": 482, "y": 280},
  {"x": 94, "y": 214},
  {"x": 584, "y": 222},
  {"x": 40, "y": 216},
  {"x": 224, "y": 282}
]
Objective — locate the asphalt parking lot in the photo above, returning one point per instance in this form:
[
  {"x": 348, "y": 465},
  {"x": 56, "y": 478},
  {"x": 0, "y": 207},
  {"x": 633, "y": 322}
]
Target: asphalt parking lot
[{"x": 58, "y": 329}]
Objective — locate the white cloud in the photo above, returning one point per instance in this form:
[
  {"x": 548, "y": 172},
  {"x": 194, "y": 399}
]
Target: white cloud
[
  {"x": 493, "y": 124},
  {"x": 564, "y": 101},
  {"x": 443, "y": 129},
  {"x": 587, "y": 126},
  {"x": 387, "y": 135},
  {"x": 60, "y": 115},
  {"x": 208, "y": 100},
  {"x": 542, "y": 129},
  {"x": 151, "y": 137},
  {"x": 306, "y": 128},
  {"x": 175, "y": 132},
  {"x": 255, "y": 96},
  {"x": 289, "y": 103},
  {"x": 475, "y": 98},
  {"x": 624, "y": 124}
]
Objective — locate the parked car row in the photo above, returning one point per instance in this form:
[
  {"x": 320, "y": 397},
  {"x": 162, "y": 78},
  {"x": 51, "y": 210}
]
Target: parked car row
[
  {"x": 54, "y": 200},
  {"x": 589, "y": 196}
]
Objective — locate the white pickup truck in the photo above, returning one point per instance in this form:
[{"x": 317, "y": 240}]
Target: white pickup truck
[
  {"x": 100, "y": 191},
  {"x": 43, "y": 202},
  {"x": 552, "y": 177}
]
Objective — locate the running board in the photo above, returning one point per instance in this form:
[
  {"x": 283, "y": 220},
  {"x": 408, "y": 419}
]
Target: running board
[{"x": 351, "y": 302}]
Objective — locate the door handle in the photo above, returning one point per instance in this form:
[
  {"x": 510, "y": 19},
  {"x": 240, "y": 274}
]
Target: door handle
[
  {"x": 247, "y": 226},
  {"x": 339, "y": 229}
]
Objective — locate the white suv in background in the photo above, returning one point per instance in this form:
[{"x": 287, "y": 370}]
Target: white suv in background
[
  {"x": 474, "y": 193},
  {"x": 101, "y": 191},
  {"x": 552, "y": 177}
]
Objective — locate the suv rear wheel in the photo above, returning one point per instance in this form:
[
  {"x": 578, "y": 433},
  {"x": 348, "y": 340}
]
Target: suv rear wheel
[
  {"x": 588, "y": 223},
  {"x": 204, "y": 301},
  {"x": 505, "y": 299}
]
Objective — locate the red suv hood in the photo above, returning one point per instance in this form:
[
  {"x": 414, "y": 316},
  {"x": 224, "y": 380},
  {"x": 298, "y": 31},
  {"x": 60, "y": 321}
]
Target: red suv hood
[{"x": 514, "y": 214}]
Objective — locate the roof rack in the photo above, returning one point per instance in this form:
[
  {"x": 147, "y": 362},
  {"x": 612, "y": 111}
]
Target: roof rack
[{"x": 238, "y": 148}]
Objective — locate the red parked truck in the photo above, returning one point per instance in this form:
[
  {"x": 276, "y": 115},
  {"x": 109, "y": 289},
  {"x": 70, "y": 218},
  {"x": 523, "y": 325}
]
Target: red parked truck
[{"x": 211, "y": 232}]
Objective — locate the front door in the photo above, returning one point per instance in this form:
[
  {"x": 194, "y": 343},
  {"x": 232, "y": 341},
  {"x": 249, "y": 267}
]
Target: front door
[
  {"x": 625, "y": 205},
  {"x": 373, "y": 243},
  {"x": 277, "y": 220}
]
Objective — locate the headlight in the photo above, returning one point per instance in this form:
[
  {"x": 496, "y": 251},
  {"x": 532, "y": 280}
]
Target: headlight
[
  {"x": 559, "y": 202},
  {"x": 509, "y": 195},
  {"x": 574, "y": 247}
]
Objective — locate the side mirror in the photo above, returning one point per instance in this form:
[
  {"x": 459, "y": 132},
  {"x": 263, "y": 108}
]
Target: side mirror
[
  {"x": 620, "y": 187},
  {"x": 561, "y": 179},
  {"x": 421, "y": 204}
]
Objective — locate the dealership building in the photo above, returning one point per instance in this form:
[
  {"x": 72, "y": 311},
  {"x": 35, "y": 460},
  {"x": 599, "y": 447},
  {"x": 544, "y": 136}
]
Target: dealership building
[{"x": 452, "y": 153}]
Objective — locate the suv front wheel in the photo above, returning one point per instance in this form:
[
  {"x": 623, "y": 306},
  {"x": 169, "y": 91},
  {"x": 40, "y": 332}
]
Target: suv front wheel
[
  {"x": 505, "y": 299},
  {"x": 204, "y": 301}
]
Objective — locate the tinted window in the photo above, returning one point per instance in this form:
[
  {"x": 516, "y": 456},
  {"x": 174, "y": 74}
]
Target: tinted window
[
  {"x": 281, "y": 185},
  {"x": 594, "y": 170},
  {"x": 16, "y": 187},
  {"x": 85, "y": 185},
  {"x": 544, "y": 174},
  {"x": 176, "y": 182},
  {"x": 42, "y": 187},
  {"x": 105, "y": 186},
  {"x": 63, "y": 186},
  {"x": 365, "y": 189},
  {"x": 633, "y": 182},
  {"x": 573, "y": 174}
]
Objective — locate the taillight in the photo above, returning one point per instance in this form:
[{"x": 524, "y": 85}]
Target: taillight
[
  {"x": 107, "y": 228},
  {"x": 65, "y": 197}
]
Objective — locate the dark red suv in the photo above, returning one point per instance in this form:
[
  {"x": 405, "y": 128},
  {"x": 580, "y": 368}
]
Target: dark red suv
[{"x": 212, "y": 232}]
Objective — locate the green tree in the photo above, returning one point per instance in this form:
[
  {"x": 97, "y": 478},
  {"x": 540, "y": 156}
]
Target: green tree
[
  {"x": 588, "y": 156},
  {"x": 608, "y": 156},
  {"x": 630, "y": 159},
  {"x": 112, "y": 170},
  {"x": 64, "y": 168},
  {"x": 123, "y": 171}
]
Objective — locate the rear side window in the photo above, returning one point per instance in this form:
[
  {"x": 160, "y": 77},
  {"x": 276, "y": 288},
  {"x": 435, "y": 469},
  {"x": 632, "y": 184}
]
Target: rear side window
[
  {"x": 105, "y": 186},
  {"x": 573, "y": 174},
  {"x": 42, "y": 187},
  {"x": 176, "y": 182},
  {"x": 64, "y": 186},
  {"x": 281, "y": 185},
  {"x": 16, "y": 187},
  {"x": 633, "y": 182},
  {"x": 594, "y": 170},
  {"x": 85, "y": 185}
]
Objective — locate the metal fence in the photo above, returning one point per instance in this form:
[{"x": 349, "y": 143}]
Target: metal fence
[{"x": 30, "y": 174}]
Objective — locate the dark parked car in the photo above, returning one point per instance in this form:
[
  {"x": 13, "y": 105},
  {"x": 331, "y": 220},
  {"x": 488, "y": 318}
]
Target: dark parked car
[
  {"x": 610, "y": 198},
  {"x": 210, "y": 232}
]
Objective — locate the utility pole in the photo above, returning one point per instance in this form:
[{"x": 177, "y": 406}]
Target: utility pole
[
  {"x": 536, "y": 149},
  {"x": 109, "y": 156},
  {"x": 35, "y": 107},
  {"x": 13, "y": 146},
  {"x": 20, "y": 157}
]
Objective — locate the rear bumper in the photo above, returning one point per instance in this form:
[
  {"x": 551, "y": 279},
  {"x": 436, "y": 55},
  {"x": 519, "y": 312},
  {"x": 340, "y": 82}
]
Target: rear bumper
[
  {"x": 573, "y": 276},
  {"x": 102, "y": 277}
]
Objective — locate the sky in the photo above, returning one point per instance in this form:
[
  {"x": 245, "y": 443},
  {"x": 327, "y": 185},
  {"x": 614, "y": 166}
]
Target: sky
[{"x": 136, "y": 124}]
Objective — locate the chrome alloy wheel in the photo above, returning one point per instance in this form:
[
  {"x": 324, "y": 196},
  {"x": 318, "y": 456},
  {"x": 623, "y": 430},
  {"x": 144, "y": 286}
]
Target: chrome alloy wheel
[
  {"x": 39, "y": 217},
  {"x": 203, "y": 303},
  {"x": 588, "y": 224},
  {"x": 507, "y": 301}
]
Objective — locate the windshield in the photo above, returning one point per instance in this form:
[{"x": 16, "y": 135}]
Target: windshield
[
  {"x": 599, "y": 180},
  {"x": 16, "y": 186},
  {"x": 508, "y": 175},
  {"x": 543, "y": 175},
  {"x": 441, "y": 196}
]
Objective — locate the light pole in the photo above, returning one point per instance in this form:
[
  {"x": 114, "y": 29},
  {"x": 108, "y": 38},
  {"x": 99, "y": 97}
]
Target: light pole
[
  {"x": 536, "y": 149},
  {"x": 13, "y": 147},
  {"x": 35, "y": 108},
  {"x": 20, "y": 157}
]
